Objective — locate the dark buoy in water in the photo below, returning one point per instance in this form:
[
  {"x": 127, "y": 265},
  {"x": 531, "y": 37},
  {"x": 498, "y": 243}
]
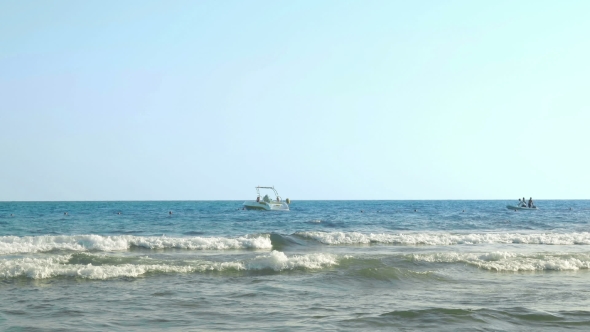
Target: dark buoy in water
[
  {"x": 65, "y": 213},
  {"x": 169, "y": 212},
  {"x": 362, "y": 211},
  {"x": 463, "y": 210},
  {"x": 118, "y": 212},
  {"x": 414, "y": 210},
  {"x": 11, "y": 214}
]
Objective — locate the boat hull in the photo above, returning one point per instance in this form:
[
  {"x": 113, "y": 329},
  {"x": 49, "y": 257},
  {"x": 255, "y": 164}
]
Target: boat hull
[
  {"x": 266, "y": 206},
  {"x": 514, "y": 207}
]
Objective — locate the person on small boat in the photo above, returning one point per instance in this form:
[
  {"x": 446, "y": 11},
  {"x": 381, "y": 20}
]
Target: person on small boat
[
  {"x": 531, "y": 204},
  {"x": 521, "y": 203}
]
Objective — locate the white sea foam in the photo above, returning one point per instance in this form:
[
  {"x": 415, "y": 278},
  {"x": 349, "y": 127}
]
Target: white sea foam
[
  {"x": 506, "y": 261},
  {"x": 351, "y": 238},
  {"x": 33, "y": 244},
  {"x": 278, "y": 261},
  {"x": 42, "y": 268}
]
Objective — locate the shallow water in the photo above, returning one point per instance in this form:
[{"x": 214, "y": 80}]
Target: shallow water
[{"x": 327, "y": 265}]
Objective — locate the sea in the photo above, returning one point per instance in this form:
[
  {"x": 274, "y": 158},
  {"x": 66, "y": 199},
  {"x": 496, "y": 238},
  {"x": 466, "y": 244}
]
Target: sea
[{"x": 323, "y": 265}]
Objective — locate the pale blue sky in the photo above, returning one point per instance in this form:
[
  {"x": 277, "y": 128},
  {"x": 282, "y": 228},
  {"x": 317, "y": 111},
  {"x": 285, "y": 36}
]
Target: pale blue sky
[{"x": 133, "y": 100}]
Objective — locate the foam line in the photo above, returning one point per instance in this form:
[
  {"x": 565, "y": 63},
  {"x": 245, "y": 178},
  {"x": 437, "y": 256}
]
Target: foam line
[
  {"x": 506, "y": 261},
  {"x": 59, "y": 266},
  {"x": 33, "y": 244},
  {"x": 351, "y": 238}
]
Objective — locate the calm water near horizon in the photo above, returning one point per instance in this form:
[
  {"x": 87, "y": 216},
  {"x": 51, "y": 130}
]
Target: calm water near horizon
[{"x": 324, "y": 265}]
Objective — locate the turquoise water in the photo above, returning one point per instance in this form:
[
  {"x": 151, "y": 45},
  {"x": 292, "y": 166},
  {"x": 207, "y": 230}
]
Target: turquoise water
[{"x": 324, "y": 265}]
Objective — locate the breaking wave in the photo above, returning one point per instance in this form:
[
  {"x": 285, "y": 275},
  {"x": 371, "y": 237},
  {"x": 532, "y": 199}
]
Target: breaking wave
[
  {"x": 34, "y": 244},
  {"x": 352, "y": 238},
  {"x": 510, "y": 262},
  {"x": 91, "y": 266}
]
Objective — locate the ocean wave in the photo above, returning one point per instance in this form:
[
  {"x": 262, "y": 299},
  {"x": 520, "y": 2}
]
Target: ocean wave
[
  {"x": 43, "y": 268},
  {"x": 465, "y": 318},
  {"x": 354, "y": 238},
  {"x": 61, "y": 266},
  {"x": 33, "y": 244},
  {"x": 278, "y": 261},
  {"x": 510, "y": 262}
]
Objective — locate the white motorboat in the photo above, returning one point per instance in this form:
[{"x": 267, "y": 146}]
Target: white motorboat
[
  {"x": 516, "y": 207},
  {"x": 266, "y": 203}
]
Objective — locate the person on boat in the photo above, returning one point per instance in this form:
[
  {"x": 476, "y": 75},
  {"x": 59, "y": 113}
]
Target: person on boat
[
  {"x": 531, "y": 202},
  {"x": 258, "y": 199},
  {"x": 521, "y": 203}
]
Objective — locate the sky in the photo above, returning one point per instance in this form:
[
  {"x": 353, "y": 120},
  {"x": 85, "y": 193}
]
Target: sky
[{"x": 204, "y": 100}]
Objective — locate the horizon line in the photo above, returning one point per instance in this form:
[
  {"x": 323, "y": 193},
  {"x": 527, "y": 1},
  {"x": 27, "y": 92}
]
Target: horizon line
[{"x": 231, "y": 200}]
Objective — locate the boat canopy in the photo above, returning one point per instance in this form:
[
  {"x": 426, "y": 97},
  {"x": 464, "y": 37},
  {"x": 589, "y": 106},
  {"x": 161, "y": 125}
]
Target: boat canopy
[{"x": 271, "y": 188}]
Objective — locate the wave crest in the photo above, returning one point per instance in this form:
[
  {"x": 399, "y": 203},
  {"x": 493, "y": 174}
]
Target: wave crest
[
  {"x": 510, "y": 262},
  {"x": 34, "y": 244},
  {"x": 278, "y": 261},
  {"x": 71, "y": 265},
  {"x": 352, "y": 238}
]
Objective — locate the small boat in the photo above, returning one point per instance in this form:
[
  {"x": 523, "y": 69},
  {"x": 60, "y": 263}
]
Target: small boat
[
  {"x": 265, "y": 203},
  {"x": 516, "y": 207}
]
